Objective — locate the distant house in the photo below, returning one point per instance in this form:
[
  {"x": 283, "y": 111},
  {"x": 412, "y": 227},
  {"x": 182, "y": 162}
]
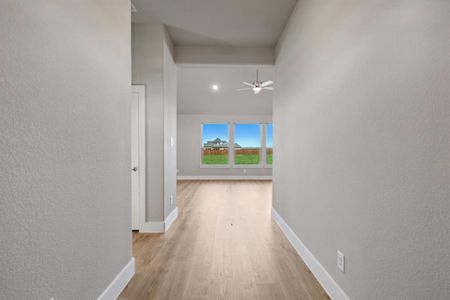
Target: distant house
[{"x": 218, "y": 144}]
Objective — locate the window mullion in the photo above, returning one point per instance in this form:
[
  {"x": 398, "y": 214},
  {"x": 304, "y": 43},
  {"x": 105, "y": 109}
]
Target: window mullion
[
  {"x": 263, "y": 145},
  {"x": 231, "y": 144}
]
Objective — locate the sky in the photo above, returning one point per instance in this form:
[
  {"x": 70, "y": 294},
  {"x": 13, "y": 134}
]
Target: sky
[
  {"x": 246, "y": 135},
  {"x": 213, "y": 131}
]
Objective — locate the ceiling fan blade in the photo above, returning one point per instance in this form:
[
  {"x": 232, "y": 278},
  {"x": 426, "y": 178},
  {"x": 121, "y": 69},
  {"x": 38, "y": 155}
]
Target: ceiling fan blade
[
  {"x": 249, "y": 84},
  {"x": 267, "y": 83},
  {"x": 268, "y": 88},
  {"x": 244, "y": 89}
]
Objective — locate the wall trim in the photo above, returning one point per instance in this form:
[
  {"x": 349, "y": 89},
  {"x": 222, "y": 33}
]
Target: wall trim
[
  {"x": 120, "y": 282},
  {"x": 224, "y": 177},
  {"x": 170, "y": 219},
  {"x": 321, "y": 274},
  {"x": 160, "y": 227},
  {"x": 152, "y": 227}
]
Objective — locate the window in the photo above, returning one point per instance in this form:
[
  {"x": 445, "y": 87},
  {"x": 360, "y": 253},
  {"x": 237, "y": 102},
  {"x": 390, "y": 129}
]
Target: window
[
  {"x": 247, "y": 144},
  {"x": 215, "y": 139},
  {"x": 238, "y": 145},
  {"x": 269, "y": 150}
]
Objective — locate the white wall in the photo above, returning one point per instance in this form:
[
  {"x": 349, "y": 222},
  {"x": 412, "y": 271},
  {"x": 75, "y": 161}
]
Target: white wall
[
  {"x": 189, "y": 145},
  {"x": 65, "y": 147},
  {"x": 170, "y": 129},
  {"x": 153, "y": 67},
  {"x": 148, "y": 69},
  {"x": 363, "y": 96}
]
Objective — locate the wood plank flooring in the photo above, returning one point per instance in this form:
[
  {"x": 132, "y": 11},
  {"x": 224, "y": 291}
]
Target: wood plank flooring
[{"x": 223, "y": 245}]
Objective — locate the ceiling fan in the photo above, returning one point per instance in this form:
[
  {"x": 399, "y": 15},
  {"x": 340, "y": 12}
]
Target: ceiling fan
[{"x": 257, "y": 86}]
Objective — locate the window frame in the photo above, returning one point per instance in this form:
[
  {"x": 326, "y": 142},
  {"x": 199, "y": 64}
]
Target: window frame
[
  {"x": 231, "y": 141},
  {"x": 249, "y": 166},
  {"x": 215, "y": 166}
]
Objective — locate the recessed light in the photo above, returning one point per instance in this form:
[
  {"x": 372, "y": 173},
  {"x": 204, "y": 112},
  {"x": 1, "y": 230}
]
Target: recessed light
[{"x": 215, "y": 87}]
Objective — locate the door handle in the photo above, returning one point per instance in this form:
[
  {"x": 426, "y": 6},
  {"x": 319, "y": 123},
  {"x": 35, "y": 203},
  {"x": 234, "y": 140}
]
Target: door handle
[{"x": 134, "y": 169}]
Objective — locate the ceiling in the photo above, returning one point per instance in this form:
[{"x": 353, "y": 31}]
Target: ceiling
[
  {"x": 233, "y": 23},
  {"x": 196, "y": 96}
]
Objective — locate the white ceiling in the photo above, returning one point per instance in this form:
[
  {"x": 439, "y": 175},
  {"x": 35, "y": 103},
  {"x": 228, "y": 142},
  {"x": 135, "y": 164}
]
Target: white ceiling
[
  {"x": 195, "y": 95},
  {"x": 237, "y": 23}
]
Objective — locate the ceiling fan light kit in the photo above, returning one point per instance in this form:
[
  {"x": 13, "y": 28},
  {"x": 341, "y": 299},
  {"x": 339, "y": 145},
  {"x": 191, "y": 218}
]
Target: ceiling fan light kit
[{"x": 257, "y": 86}]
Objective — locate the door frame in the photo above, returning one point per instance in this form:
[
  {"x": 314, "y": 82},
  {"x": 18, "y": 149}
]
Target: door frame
[{"x": 140, "y": 89}]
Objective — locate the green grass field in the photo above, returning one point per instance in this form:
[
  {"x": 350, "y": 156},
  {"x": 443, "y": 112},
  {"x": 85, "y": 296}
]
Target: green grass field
[
  {"x": 240, "y": 159},
  {"x": 246, "y": 159},
  {"x": 215, "y": 159}
]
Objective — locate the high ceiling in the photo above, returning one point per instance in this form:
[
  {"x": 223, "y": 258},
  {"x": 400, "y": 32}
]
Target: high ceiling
[
  {"x": 196, "y": 96},
  {"x": 234, "y": 23}
]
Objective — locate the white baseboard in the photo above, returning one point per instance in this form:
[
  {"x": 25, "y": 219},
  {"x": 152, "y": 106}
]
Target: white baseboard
[
  {"x": 114, "y": 289},
  {"x": 170, "y": 219},
  {"x": 159, "y": 227},
  {"x": 224, "y": 178},
  {"x": 324, "y": 278},
  {"x": 152, "y": 227}
]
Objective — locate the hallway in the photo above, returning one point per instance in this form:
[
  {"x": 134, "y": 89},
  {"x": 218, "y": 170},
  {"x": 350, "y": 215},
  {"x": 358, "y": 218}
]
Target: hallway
[{"x": 224, "y": 245}]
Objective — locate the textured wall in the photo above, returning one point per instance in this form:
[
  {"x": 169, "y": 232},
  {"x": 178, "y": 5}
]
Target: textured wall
[
  {"x": 65, "y": 147},
  {"x": 170, "y": 128},
  {"x": 148, "y": 69},
  {"x": 363, "y": 97},
  {"x": 189, "y": 142},
  {"x": 153, "y": 66}
]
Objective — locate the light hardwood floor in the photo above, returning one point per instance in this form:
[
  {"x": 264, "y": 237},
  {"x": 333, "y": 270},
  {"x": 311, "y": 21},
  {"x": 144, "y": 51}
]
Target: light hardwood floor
[{"x": 223, "y": 245}]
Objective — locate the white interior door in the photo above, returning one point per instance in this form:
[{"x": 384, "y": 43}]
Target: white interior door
[{"x": 137, "y": 156}]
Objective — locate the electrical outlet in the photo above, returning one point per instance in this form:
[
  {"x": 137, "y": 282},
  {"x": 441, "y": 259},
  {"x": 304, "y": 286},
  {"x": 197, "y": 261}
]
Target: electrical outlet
[
  {"x": 171, "y": 200},
  {"x": 340, "y": 261}
]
